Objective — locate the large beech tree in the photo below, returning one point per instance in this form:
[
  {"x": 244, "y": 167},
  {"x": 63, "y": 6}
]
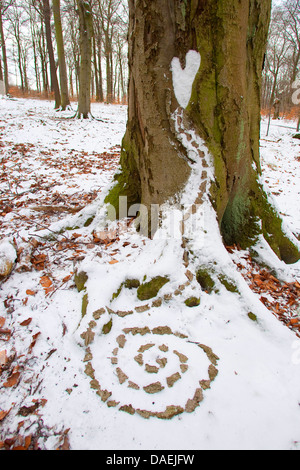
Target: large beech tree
[{"x": 224, "y": 110}]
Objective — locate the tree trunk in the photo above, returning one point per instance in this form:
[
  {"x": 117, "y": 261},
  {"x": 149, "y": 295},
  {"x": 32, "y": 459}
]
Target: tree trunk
[
  {"x": 101, "y": 93},
  {"x": 4, "y": 55},
  {"x": 109, "y": 72},
  {"x": 86, "y": 34},
  {"x": 54, "y": 81},
  {"x": 65, "y": 101},
  {"x": 1, "y": 70},
  {"x": 43, "y": 61},
  {"x": 223, "y": 109}
]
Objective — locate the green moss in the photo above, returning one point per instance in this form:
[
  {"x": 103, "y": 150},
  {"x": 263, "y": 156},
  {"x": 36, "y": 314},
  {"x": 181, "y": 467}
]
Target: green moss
[
  {"x": 274, "y": 235},
  {"x": 241, "y": 221},
  {"x": 118, "y": 292},
  {"x": 85, "y": 302},
  {"x": 132, "y": 283},
  {"x": 271, "y": 228},
  {"x": 80, "y": 280},
  {"x": 204, "y": 278},
  {"x": 128, "y": 284},
  {"x": 192, "y": 302},
  {"x": 107, "y": 328},
  {"x": 252, "y": 316},
  {"x": 228, "y": 284},
  {"x": 150, "y": 289},
  {"x": 89, "y": 221},
  {"x": 128, "y": 182},
  {"x": 249, "y": 215}
]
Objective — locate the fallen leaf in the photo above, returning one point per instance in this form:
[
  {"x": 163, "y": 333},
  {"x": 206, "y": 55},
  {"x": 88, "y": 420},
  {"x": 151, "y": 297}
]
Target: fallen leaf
[
  {"x": 27, "y": 442},
  {"x": 13, "y": 379},
  {"x": 26, "y": 322},
  {"x": 34, "y": 339},
  {"x": 5, "y": 334},
  {"x": 2, "y": 321},
  {"x": 48, "y": 290},
  {"x": 46, "y": 282},
  {"x": 3, "y": 358},
  {"x": 3, "y": 414},
  {"x": 30, "y": 292},
  {"x": 113, "y": 261}
]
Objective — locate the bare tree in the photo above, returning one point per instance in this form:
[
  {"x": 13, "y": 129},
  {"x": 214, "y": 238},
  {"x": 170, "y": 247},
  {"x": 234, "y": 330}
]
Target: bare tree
[
  {"x": 65, "y": 101},
  {"x": 109, "y": 15},
  {"x": 86, "y": 34},
  {"x": 4, "y": 5},
  {"x": 276, "y": 56}
]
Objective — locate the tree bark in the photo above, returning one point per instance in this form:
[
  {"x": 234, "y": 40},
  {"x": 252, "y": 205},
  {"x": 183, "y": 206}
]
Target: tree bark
[
  {"x": 109, "y": 70},
  {"x": 86, "y": 34},
  {"x": 65, "y": 100},
  {"x": 54, "y": 81},
  {"x": 4, "y": 54},
  {"x": 224, "y": 110}
]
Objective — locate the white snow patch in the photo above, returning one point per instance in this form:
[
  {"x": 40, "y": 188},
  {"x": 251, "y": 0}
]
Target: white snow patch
[
  {"x": 183, "y": 79},
  {"x": 8, "y": 256}
]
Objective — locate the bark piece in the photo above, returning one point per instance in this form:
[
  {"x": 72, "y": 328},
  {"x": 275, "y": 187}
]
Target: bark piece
[{"x": 154, "y": 388}]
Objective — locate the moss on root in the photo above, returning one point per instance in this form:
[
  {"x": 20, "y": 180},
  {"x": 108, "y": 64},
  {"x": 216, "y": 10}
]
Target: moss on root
[
  {"x": 84, "y": 306},
  {"x": 228, "y": 284},
  {"x": 128, "y": 182},
  {"x": 251, "y": 215},
  {"x": 204, "y": 278},
  {"x": 132, "y": 284},
  {"x": 192, "y": 302},
  {"x": 80, "y": 280},
  {"x": 150, "y": 289}
]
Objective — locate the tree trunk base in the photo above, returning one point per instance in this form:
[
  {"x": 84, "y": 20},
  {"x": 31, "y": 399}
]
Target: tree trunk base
[{"x": 247, "y": 216}]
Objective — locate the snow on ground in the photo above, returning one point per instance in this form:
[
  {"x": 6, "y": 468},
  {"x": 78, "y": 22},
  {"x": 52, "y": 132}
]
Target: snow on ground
[
  {"x": 280, "y": 156},
  {"x": 97, "y": 367}
]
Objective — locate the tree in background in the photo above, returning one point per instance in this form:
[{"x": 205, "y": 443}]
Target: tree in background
[
  {"x": 4, "y": 5},
  {"x": 283, "y": 56},
  {"x": 86, "y": 35},
  {"x": 64, "y": 91},
  {"x": 34, "y": 57}
]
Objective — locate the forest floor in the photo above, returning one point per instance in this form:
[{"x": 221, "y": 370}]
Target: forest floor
[{"x": 87, "y": 362}]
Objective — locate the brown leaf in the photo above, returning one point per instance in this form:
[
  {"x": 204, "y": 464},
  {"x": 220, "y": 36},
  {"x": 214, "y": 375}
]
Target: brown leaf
[
  {"x": 30, "y": 292},
  {"x": 27, "y": 442},
  {"x": 34, "y": 339},
  {"x": 3, "y": 414},
  {"x": 2, "y": 321},
  {"x": 46, "y": 282},
  {"x": 26, "y": 322},
  {"x": 3, "y": 358},
  {"x": 13, "y": 379},
  {"x": 5, "y": 334}
]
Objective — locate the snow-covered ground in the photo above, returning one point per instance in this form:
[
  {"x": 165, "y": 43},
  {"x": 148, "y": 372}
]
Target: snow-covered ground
[{"x": 102, "y": 368}]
